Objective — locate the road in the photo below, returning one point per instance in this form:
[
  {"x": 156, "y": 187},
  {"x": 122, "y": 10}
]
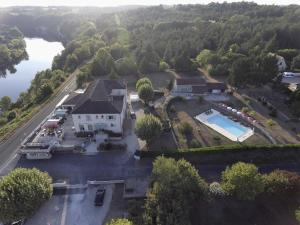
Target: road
[
  {"x": 8, "y": 148},
  {"x": 78, "y": 169}
]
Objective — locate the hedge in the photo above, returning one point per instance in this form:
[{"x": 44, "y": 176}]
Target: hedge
[{"x": 229, "y": 153}]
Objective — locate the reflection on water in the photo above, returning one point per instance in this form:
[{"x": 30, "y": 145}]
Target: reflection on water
[{"x": 40, "y": 54}]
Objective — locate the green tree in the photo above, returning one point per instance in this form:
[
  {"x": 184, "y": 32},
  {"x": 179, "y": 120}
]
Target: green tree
[
  {"x": 5, "y": 103},
  {"x": 43, "y": 92},
  {"x": 11, "y": 115},
  {"x": 148, "y": 128},
  {"x": 276, "y": 184},
  {"x": 126, "y": 66},
  {"x": 113, "y": 74},
  {"x": 22, "y": 192},
  {"x": 240, "y": 72},
  {"x": 119, "y": 222},
  {"x": 176, "y": 189},
  {"x": 296, "y": 63},
  {"x": 146, "y": 93},
  {"x": 143, "y": 81},
  {"x": 71, "y": 63},
  {"x": 163, "y": 66},
  {"x": 102, "y": 64},
  {"x": 243, "y": 181}
]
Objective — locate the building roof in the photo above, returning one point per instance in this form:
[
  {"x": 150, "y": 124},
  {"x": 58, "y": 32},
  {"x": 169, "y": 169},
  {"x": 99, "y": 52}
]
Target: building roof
[
  {"x": 190, "y": 81},
  {"x": 199, "y": 89},
  {"x": 97, "y": 99},
  {"x": 72, "y": 99},
  {"x": 216, "y": 85}
]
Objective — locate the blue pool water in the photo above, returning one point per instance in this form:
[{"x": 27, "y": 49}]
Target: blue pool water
[{"x": 230, "y": 126}]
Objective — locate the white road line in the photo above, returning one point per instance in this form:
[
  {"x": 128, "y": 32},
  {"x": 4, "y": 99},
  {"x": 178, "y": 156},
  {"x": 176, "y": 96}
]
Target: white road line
[{"x": 64, "y": 212}]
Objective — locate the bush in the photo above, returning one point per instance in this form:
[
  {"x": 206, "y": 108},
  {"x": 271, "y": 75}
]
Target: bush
[
  {"x": 270, "y": 122},
  {"x": 195, "y": 144},
  {"x": 185, "y": 128},
  {"x": 163, "y": 66},
  {"x": 243, "y": 181},
  {"x": 276, "y": 184},
  {"x": 3, "y": 121},
  {"x": 84, "y": 134},
  {"x": 110, "y": 146}
]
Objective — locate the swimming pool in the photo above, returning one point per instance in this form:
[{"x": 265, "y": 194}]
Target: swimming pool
[
  {"x": 232, "y": 127},
  {"x": 225, "y": 126}
]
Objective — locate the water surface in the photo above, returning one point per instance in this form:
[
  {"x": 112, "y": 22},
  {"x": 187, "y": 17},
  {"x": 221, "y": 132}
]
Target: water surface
[{"x": 40, "y": 54}]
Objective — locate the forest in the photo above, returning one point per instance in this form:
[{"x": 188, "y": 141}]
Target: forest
[{"x": 237, "y": 41}]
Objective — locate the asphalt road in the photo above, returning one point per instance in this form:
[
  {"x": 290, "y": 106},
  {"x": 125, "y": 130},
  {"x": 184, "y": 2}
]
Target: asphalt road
[
  {"x": 78, "y": 169},
  {"x": 8, "y": 148}
]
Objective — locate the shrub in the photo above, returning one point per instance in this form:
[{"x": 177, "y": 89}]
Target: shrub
[
  {"x": 3, "y": 121},
  {"x": 216, "y": 190},
  {"x": 243, "y": 181},
  {"x": 195, "y": 144},
  {"x": 163, "y": 66},
  {"x": 111, "y": 146},
  {"x": 142, "y": 81},
  {"x": 245, "y": 110},
  {"x": 119, "y": 222},
  {"x": 146, "y": 92},
  {"x": 185, "y": 128},
  {"x": 270, "y": 122}
]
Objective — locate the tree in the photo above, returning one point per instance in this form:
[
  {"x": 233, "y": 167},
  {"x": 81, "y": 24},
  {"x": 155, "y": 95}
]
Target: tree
[
  {"x": 102, "y": 64},
  {"x": 163, "y": 66},
  {"x": 240, "y": 71},
  {"x": 5, "y": 103},
  {"x": 175, "y": 189},
  {"x": 71, "y": 63},
  {"x": 126, "y": 66},
  {"x": 243, "y": 181},
  {"x": 276, "y": 184},
  {"x": 146, "y": 93},
  {"x": 113, "y": 74},
  {"x": 22, "y": 192},
  {"x": 142, "y": 81},
  {"x": 43, "y": 92},
  {"x": 148, "y": 128},
  {"x": 11, "y": 115},
  {"x": 296, "y": 63},
  {"x": 119, "y": 222}
]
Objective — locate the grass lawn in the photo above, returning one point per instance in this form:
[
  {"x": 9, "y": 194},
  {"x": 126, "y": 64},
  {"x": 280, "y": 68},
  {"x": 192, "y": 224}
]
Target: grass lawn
[{"x": 201, "y": 134}]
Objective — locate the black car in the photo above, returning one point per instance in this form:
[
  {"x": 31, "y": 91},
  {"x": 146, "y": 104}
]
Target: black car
[{"x": 100, "y": 193}]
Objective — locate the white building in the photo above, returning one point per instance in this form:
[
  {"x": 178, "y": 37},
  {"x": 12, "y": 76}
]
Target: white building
[{"x": 101, "y": 107}]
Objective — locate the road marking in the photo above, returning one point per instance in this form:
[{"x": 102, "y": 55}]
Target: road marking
[{"x": 64, "y": 212}]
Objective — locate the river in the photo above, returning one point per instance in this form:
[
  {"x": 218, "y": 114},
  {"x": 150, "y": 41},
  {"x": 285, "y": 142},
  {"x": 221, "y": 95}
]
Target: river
[{"x": 41, "y": 54}]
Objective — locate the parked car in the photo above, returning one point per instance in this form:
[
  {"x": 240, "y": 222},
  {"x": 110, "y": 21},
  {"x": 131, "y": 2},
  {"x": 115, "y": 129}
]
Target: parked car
[
  {"x": 100, "y": 193},
  {"x": 132, "y": 115}
]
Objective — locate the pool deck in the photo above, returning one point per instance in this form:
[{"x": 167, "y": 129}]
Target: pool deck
[{"x": 204, "y": 118}]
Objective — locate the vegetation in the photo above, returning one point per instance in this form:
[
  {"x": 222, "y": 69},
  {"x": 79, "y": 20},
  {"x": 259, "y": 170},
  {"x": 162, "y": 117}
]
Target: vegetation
[
  {"x": 243, "y": 181},
  {"x": 12, "y": 48},
  {"x": 119, "y": 222},
  {"x": 22, "y": 192},
  {"x": 176, "y": 187},
  {"x": 148, "y": 127}
]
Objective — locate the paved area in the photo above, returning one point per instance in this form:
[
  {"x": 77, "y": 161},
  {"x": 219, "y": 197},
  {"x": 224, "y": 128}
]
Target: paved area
[{"x": 74, "y": 209}]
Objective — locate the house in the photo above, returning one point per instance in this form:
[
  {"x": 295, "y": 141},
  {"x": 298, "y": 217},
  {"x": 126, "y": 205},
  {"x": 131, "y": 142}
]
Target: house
[
  {"x": 189, "y": 87},
  {"x": 102, "y": 106}
]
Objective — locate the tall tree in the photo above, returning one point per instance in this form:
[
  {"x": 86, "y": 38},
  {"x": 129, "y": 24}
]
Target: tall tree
[
  {"x": 22, "y": 192},
  {"x": 176, "y": 189}
]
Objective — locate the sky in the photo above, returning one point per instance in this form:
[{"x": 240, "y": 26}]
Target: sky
[{"x": 103, "y": 3}]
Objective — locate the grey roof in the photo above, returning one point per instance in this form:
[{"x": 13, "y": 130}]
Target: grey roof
[
  {"x": 290, "y": 80},
  {"x": 73, "y": 98},
  {"x": 199, "y": 89},
  {"x": 97, "y": 98},
  {"x": 216, "y": 85},
  {"x": 190, "y": 81}
]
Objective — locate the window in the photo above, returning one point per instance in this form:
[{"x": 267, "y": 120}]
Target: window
[
  {"x": 112, "y": 125},
  {"x": 111, "y": 117},
  {"x": 97, "y": 117},
  {"x": 78, "y": 116},
  {"x": 81, "y": 127},
  {"x": 88, "y": 117},
  {"x": 102, "y": 116},
  {"x": 90, "y": 127}
]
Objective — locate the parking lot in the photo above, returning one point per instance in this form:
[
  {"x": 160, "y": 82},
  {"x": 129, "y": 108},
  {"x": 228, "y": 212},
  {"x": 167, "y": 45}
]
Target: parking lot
[{"x": 75, "y": 208}]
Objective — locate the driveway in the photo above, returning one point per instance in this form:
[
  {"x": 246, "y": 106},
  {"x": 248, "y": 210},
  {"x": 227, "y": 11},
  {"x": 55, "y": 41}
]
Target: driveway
[{"x": 74, "y": 209}]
